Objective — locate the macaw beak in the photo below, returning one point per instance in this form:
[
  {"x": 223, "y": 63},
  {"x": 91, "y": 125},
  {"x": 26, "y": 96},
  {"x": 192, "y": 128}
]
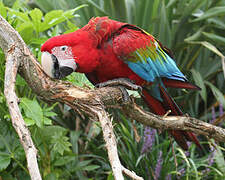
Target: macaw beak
[{"x": 57, "y": 68}]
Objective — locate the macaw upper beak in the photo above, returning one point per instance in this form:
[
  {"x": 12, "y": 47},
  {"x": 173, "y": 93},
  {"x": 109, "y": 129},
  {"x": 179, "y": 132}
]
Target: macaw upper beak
[{"x": 57, "y": 68}]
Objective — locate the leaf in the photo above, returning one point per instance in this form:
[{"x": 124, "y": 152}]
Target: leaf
[
  {"x": 216, "y": 92},
  {"x": 194, "y": 36},
  {"x": 97, "y": 7},
  {"x": 57, "y": 16},
  {"x": 219, "y": 23},
  {"x": 164, "y": 28},
  {"x": 5, "y": 160},
  {"x": 26, "y": 31},
  {"x": 29, "y": 121},
  {"x": 51, "y": 176},
  {"x": 212, "y": 48},
  {"x": 36, "y": 16},
  {"x": 214, "y": 37},
  {"x": 32, "y": 110},
  {"x": 195, "y": 169},
  {"x": 50, "y": 16},
  {"x": 3, "y": 10},
  {"x": 199, "y": 82},
  {"x": 216, "y": 11},
  {"x": 110, "y": 176},
  {"x": 61, "y": 161},
  {"x": 48, "y": 131},
  {"x": 74, "y": 137},
  {"x": 20, "y": 81},
  {"x": 60, "y": 143},
  {"x": 47, "y": 121},
  {"x": 184, "y": 157},
  {"x": 90, "y": 168},
  {"x": 219, "y": 159},
  {"x": 23, "y": 16}
]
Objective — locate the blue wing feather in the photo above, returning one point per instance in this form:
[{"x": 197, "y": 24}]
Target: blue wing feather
[{"x": 150, "y": 69}]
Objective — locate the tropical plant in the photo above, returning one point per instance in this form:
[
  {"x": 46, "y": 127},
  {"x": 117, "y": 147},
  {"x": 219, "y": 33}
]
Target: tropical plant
[{"x": 68, "y": 143}]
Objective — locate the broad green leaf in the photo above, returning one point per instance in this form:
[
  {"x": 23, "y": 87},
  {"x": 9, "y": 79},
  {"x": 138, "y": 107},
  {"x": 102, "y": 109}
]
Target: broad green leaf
[
  {"x": 71, "y": 27},
  {"x": 50, "y": 16},
  {"x": 26, "y": 31},
  {"x": 4, "y": 161},
  {"x": 60, "y": 143},
  {"x": 60, "y": 161},
  {"x": 23, "y": 16},
  {"x": 217, "y": 93},
  {"x": 216, "y": 11},
  {"x": 38, "y": 41},
  {"x": 3, "y": 10},
  {"x": 47, "y": 121},
  {"x": 199, "y": 81},
  {"x": 36, "y": 16},
  {"x": 57, "y": 16},
  {"x": 29, "y": 121},
  {"x": 51, "y": 176},
  {"x": 32, "y": 110},
  {"x": 48, "y": 131},
  {"x": 49, "y": 113}
]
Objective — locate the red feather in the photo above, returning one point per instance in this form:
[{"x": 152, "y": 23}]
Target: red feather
[
  {"x": 161, "y": 108},
  {"x": 99, "y": 49}
]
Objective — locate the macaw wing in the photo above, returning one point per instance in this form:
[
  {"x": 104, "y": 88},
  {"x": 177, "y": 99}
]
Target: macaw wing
[{"x": 144, "y": 54}]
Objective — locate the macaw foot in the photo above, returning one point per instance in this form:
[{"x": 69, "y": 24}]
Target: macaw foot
[{"x": 123, "y": 84}]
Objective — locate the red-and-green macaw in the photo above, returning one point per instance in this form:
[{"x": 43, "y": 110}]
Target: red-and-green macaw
[{"x": 105, "y": 50}]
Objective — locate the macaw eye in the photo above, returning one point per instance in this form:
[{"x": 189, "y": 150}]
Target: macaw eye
[{"x": 63, "y": 48}]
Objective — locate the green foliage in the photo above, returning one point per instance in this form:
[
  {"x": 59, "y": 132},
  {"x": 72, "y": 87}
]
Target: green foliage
[
  {"x": 70, "y": 146},
  {"x": 35, "y": 114}
]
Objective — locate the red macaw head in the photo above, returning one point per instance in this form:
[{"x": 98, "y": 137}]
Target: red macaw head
[{"x": 64, "y": 54}]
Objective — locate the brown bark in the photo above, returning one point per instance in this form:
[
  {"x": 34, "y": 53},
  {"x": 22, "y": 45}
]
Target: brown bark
[{"x": 92, "y": 102}]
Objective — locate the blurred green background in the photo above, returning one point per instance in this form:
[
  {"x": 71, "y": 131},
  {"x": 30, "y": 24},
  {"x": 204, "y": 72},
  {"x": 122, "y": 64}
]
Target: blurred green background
[{"x": 71, "y": 146}]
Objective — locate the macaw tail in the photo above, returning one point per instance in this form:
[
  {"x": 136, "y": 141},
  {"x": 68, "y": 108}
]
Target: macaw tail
[{"x": 160, "y": 107}]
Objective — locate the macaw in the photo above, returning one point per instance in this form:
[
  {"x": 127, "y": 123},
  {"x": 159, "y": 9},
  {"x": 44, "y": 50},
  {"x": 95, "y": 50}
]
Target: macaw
[{"x": 106, "y": 49}]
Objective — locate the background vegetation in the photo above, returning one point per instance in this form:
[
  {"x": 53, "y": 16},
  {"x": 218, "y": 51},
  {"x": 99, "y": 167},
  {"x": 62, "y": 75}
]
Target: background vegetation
[{"x": 70, "y": 145}]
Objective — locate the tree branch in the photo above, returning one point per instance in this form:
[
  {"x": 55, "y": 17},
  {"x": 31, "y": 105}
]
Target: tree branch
[
  {"x": 12, "y": 100},
  {"x": 91, "y": 102}
]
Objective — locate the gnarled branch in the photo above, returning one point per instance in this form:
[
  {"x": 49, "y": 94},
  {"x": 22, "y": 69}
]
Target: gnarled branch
[{"x": 91, "y": 102}]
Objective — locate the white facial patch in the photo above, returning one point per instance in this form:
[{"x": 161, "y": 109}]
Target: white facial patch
[{"x": 47, "y": 63}]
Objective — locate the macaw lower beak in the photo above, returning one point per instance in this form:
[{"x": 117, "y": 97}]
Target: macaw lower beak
[{"x": 57, "y": 68}]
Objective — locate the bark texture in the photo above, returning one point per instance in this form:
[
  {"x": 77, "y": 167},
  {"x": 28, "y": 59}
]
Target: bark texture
[{"x": 89, "y": 101}]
